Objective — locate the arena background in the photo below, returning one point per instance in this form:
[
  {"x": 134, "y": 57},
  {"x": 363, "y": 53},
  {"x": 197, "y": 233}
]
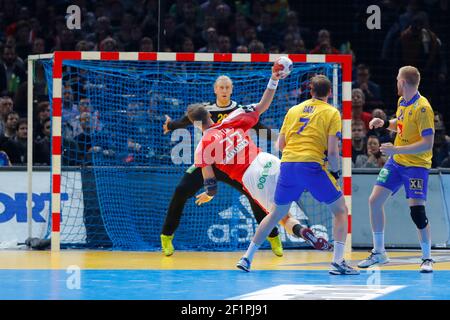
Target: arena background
[{"x": 410, "y": 32}]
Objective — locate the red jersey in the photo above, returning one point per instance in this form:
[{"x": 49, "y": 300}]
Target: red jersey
[{"x": 228, "y": 146}]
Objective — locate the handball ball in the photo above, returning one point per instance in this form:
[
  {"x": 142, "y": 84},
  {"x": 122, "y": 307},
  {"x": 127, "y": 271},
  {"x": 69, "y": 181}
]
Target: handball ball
[{"x": 283, "y": 65}]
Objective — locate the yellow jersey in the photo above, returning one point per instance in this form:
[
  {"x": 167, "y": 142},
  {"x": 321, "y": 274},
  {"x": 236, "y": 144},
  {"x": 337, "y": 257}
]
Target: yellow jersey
[
  {"x": 415, "y": 119},
  {"x": 306, "y": 127}
]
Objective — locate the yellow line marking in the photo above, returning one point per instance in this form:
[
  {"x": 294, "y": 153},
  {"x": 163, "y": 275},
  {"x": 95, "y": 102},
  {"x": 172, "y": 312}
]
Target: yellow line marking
[{"x": 183, "y": 260}]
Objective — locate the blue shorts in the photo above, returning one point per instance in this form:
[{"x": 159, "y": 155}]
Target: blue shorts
[
  {"x": 296, "y": 177},
  {"x": 394, "y": 175}
]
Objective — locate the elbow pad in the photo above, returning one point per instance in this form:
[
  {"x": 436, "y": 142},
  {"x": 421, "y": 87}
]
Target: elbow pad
[{"x": 210, "y": 187}]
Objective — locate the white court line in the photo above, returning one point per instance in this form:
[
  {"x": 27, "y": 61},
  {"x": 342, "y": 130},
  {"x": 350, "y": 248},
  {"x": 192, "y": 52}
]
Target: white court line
[{"x": 319, "y": 292}]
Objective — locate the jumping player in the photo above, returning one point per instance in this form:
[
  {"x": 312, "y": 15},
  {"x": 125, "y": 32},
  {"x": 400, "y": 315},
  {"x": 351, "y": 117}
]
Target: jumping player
[
  {"x": 192, "y": 180},
  {"x": 230, "y": 149},
  {"x": 408, "y": 165},
  {"x": 310, "y": 130}
]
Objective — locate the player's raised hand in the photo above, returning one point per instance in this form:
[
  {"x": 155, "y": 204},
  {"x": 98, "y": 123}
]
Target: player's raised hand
[
  {"x": 376, "y": 123},
  {"x": 203, "y": 198},
  {"x": 166, "y": 124},
  {"x": 388, "y": 149}
]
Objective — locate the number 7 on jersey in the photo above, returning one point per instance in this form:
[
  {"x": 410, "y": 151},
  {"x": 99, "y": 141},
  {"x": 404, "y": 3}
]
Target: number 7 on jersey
[{"x": 304, "y": 122}]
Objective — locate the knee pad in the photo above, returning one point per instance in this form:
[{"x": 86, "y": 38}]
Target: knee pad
[{"x": 419, "y": 217}]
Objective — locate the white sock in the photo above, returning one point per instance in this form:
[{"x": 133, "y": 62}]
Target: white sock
[
  {"x": 378, "y": 242},
  {"x": 252, "y": 248},
  {"x": 426, "y": 250},
  {"x": 338, "y": 252}
]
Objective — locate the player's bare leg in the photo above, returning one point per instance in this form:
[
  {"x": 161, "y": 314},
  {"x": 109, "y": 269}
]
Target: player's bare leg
[
  {"x": 340, "y": 220},
  {"x": 340, "y": 229},
  {"x": 263, "y": 230},
  {"x": 376, "y": 208},
  {"x": 424, "y": 239},
  {"x": 377, "y": 219}
]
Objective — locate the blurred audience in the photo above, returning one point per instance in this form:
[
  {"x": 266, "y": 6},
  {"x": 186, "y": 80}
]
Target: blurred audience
[
  {"x": 358, "y": 106},
  {"x": 324, "y": 45},
  {"x": 441, "y": 147},
  {"x": 373, "y": 157},
  {"x": 358, "y": 139},
  {"x": 12, "y": 73},
  {"x": 16, "y": 146},
  {"x": 41, "y": 147},
  {"x": 371, "y": 90},
  {"x": 413, "y": 33},
  {"x": 6, "y": 106}
]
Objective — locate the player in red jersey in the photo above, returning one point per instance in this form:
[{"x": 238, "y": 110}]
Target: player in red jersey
[{"x": 228, "y": 146}]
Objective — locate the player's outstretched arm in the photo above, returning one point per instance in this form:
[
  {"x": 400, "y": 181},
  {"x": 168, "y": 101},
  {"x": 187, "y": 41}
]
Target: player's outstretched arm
[
  {"x": 210, "y": 184},
  {"x": 170, "y": 124},
  {"x": 268, "y": 95}
]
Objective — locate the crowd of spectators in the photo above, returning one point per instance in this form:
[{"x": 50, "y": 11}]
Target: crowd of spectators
[{"x": 413, "y": 32}]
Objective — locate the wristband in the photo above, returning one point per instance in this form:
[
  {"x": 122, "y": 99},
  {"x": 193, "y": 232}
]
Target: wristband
[
  {"x": 273, "y": 84},
  {"x": 210, "y": 187},
  {"x": 386, "y": 124},
  {"x": 335, "y": 174}
]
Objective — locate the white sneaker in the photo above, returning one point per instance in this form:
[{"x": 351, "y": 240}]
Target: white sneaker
[
  {"x": 426, "y": 266},
  {"x": 374, "y": 258},
  {"x": 342, "y": 268}
]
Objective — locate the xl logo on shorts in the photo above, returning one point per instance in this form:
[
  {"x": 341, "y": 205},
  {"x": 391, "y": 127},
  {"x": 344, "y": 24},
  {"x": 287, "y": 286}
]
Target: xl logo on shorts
[{"x": 416, "y": 184}]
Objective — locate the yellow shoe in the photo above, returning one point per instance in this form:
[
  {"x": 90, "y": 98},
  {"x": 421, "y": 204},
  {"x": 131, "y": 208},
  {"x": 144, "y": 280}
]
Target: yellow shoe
[
  {"x": 275, "y": 244},
  {"x": 166, "y": 245}
]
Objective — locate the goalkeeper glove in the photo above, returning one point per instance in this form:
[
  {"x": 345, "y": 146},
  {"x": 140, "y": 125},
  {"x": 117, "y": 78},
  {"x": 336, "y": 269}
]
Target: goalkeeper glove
[
  {"x": 335, "y": 174},
  {"x": 203, "y": 198}
]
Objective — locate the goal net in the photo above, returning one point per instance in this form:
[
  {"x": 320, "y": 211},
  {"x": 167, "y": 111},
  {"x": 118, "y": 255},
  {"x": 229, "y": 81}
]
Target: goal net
[{"x": 117, "y": 171}]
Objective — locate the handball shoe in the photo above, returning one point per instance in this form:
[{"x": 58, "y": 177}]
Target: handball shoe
[
  {"x": 166, "y": 245},
  {"x": 426, "y": 266},
  {"x": 244, "y": 264},
  {"x": 342, "y": 268},
  {"x": 275, "y": 244},
  {"x": 318, "y": 243},
  {"x": 374, "y": 258}
]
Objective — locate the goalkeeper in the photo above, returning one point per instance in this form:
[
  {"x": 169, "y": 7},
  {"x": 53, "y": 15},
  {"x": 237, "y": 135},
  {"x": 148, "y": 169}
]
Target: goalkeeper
[{"x": 192, "y": 181}]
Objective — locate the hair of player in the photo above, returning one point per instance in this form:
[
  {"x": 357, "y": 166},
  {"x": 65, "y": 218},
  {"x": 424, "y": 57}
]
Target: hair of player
[
  {"x": 411, "y": 75},
  {"x": 197, "y": 112},
  {"x": 223, "y": 78},
  {"x": 321, "y": 86}
]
